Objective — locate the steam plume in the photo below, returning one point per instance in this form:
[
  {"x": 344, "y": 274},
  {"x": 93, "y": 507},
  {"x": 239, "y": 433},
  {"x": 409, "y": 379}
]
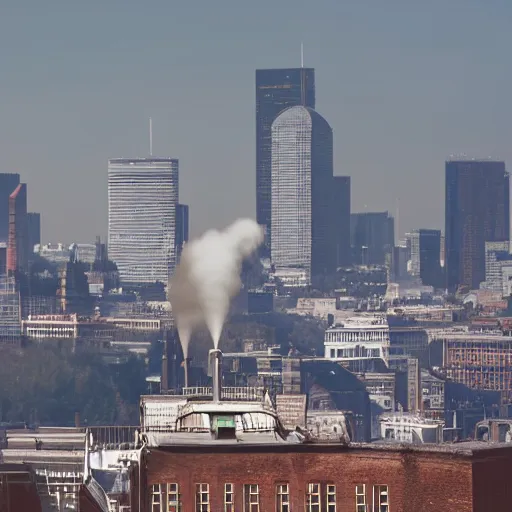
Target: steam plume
[{"x": 208, "y": 277}]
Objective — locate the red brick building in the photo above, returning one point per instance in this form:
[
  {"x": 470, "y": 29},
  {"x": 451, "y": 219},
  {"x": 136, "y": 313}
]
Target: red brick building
[
  {"x": 322, "y": 477},
  {"x": 18, "y": 489}
]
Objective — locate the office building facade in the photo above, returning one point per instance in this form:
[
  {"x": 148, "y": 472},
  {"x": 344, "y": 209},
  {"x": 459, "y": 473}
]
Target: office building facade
[
  {"x": 276, "y": 90},
  {"x": 341, "y": 212},
  {"x": 8, "y": 183},
  {"x": 426, "y": 256},
  {"x": 142, "y": 203},
  {"x": 477, "y": 211},
  {"x": 34, "y": 231},
  {"x": 302, "y": 176},
  {"x": 372, "y": 237},
  {"x": 17, "y": 249},
  {"x": 182, "y": 221}
]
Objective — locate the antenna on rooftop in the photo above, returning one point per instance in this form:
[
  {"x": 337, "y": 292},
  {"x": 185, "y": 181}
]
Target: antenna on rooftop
[
  {"x": 301, "y": 55},
  {"x": 150, "y": 137}
]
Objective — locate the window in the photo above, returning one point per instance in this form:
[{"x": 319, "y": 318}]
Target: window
[
  {"x": 313, "y": 498},
  {"x": 173, "y": 498},
  {"x": 251, "y": 498},
  {"x": 229, "y": 498},
  {"x": 202, "y": 498},
  {"x": 156, "y": 498},
  {"x": 380, "y": 498},
  {"x": 361, "y": 498},
  {"x": 331, "y": 498},
  {"x": 283, "y": 498}
]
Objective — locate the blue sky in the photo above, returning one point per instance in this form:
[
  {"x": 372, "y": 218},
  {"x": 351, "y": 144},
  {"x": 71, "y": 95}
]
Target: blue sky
[{"x": 403, "y": 85}]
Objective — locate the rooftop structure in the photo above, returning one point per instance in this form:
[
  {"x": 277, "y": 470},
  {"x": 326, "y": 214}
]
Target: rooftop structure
[
  {"x": 358, "y": 338},
  {"x": 411, "y": 428}
]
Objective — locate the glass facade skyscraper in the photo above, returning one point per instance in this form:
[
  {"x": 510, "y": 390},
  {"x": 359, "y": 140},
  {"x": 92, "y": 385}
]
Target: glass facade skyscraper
[
  {"x": 477, "y": 211},
  {"x": 426, "y": 256},
  {"x": 302, "y": 234},
  {"x": 372, "y": 237},
  {"x": 142, "y": 203},
  {"x": 8, "y": 182},
  {"x": 276, "y": 90}
]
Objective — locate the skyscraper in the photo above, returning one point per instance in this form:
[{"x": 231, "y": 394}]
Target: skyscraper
[
  {"x": 276, "y": 90},
  {"x": 34, "y": 231},
  {"x": 302, "y": 178},
  {"x": 426, "y": 256},
  {"x": 142, "y": 202},
  {"x": 17, "y": 250},
  {"x": 181, "y": 229},
  {"x": 476, "y": 211},
  {"x": 8, "y": 182},
  {"x": 372, "y": 236},
  {"x": 341, "y": 212}
]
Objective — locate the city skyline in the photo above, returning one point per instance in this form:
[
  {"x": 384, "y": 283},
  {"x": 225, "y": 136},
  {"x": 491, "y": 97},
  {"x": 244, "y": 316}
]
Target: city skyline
[{"x": 400, "y": 85}]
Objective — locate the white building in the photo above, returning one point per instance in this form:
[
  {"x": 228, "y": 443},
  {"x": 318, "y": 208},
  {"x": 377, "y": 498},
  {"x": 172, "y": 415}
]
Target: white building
[
  {"x": 142, "y": 201},
  {"x": 498, "y": 267},
  {"x": 302, "y": 181},
  {"x": 411, "y": 428},
  {"x": 358, "y": 338}
]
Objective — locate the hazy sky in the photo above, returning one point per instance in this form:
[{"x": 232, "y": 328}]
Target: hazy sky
[{"x": 403, "y": 84}]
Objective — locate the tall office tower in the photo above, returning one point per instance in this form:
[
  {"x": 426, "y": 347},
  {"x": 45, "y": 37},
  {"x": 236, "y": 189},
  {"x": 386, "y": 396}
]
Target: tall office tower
[
  {"x": 17, "y": 250},
  {"x": 34, "y": 231},
  {"x": 398, "y": 268},
  {"x": 8, "y": 182},
  {"x": 181, "y": 229},
  {"x": 497, "y": 258},
  {"x": 372, "y": 236},
  {"x": 302, "y": 177},
  {"x": 476, "y": 212},
  {"x": 276, "y": 90},
  {"x": 341, "y": 212},
  {"x": 142, "y": 201},
  {"x": 426, "y": 256}
]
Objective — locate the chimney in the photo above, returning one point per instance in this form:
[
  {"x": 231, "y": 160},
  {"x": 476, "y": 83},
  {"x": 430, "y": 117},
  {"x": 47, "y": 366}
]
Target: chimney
[
  {"x": 164, "y": 380},
  {"x": 215, "y": 359},
  {"x": 186, "y": 363}
]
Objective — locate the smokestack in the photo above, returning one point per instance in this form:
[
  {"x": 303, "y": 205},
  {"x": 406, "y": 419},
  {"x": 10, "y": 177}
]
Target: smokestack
[
  {"x": 164, "y": 380},
  {"x": 186, "y": 362},
  {"x": 215, "y": 357}
]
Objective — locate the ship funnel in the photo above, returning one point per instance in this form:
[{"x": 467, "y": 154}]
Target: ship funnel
[{"x": 215, "y": 362}]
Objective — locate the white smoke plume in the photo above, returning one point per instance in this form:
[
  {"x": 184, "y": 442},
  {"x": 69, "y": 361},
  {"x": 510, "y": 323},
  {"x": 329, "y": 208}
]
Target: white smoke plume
[{"x": 208, "y": 277}]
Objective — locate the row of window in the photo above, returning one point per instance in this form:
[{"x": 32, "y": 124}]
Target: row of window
[{"x": 166, "y": 498}]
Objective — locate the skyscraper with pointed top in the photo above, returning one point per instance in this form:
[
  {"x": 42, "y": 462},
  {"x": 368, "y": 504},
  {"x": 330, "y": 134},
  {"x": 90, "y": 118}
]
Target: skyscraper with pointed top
[{"x": 276, "y": 90}]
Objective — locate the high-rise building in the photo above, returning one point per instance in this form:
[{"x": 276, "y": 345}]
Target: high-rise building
[
  {"x": 276, "y": 90},
  {"x": 34, "y": 231},
  {"x": 17, "y": 250},
  {"x": 181, "y": 228},
  {"x": 341, "y": 212},
  {"x": 8, "y": 182},
  {"x": 476, "y": 212},
  {"x": 372, "y": 236},
  {"x": 142, "y": 200},
  {"x": 498, "y": 261},
  {"x": 302, "y": 179},
  {"x": 426, "y": 256}
]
